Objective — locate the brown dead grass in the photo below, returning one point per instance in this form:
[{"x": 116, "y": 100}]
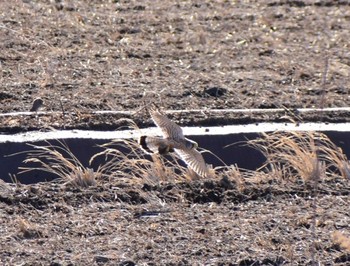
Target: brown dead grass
[
  {"x": 136, "y": 165},
  {"x": 342, "y": 240},
  {"x": 291, "y": 156},
  {"x": 305, "y": 155},
  {"x": 27, "y": 229},
  {"x": 57, "y": 159}
]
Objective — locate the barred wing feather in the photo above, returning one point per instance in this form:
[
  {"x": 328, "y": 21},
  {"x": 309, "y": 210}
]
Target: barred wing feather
[
  {"x": 194, "y": 160},
  {"x": 169, "y": 128}
]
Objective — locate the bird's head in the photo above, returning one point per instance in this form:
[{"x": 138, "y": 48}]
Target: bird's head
[{"x": 191, "y": 144}]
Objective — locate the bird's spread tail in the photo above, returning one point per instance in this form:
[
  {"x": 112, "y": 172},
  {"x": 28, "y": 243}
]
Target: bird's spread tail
[
  {"x": 143, "y": 144},
  {"x": 155, "y": 145}
]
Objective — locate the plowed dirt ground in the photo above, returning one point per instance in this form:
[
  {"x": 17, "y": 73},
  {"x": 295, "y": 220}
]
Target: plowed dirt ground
[{"x": 85, "y": 56}]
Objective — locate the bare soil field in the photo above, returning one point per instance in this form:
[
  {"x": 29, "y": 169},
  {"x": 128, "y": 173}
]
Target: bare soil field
[
  {"x": 83, "y": 56},
  {"x": 86, "y": 56}
]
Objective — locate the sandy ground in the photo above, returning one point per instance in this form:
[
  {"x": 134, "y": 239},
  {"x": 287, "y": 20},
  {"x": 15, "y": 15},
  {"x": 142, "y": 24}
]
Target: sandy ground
[{"x": 85, "y": 56}]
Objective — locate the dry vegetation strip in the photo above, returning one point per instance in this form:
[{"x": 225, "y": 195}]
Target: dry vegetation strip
[{"x": 290, "y": 156}]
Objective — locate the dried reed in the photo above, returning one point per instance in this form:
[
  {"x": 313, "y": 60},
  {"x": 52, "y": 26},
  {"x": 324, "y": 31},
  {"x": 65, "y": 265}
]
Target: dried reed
[
  {"x": 305, "y": 155},
  {"x": 125, "y": 160},
  {"x": 60, "y": 161}
]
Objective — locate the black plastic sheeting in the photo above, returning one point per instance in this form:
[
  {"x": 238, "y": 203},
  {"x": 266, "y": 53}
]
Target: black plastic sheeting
[{"x": 237, "y": 153}]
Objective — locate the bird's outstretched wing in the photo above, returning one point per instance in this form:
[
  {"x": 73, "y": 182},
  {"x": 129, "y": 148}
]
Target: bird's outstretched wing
[
  {"x": 169, "y": 128},
  {"x": 194, "y": 160}
]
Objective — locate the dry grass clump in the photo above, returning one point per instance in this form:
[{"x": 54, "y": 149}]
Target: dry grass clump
[
  {"x": 60, "y": 161},
  {"x": 234, "y": 174},
  {"x": 125, "y": 160},
  {"x": 27, "y": 229},
  {"x": 305, "y": 155},
  {"x": 340, "y": 239},
  {"x": 308, "y": 156}
]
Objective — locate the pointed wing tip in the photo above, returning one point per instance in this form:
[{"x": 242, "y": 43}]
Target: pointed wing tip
[{"x": 194, "y": 161}]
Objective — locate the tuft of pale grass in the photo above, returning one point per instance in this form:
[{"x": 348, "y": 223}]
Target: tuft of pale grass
[
  {"x": 340, "y": 239},
  {"x": 27, "y": 229},
  {"x": 60, "y": 161},
  {"x": 124, "y": 159},
  {"x": 84, "y": 177},
  {"x": 233, "y": 174},
  {"x": 345, "y": 169},
  {"x": 305, "y": 155}
]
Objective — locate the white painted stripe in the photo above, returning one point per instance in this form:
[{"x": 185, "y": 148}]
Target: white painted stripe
[{"x": 128, "y": 134}]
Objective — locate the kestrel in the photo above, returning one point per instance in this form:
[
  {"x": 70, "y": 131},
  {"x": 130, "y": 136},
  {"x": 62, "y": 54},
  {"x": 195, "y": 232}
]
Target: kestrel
[{"x": 174, "y": 140}]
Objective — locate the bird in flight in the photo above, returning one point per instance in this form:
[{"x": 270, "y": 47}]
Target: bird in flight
[{"x": 174, "y": 140}]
